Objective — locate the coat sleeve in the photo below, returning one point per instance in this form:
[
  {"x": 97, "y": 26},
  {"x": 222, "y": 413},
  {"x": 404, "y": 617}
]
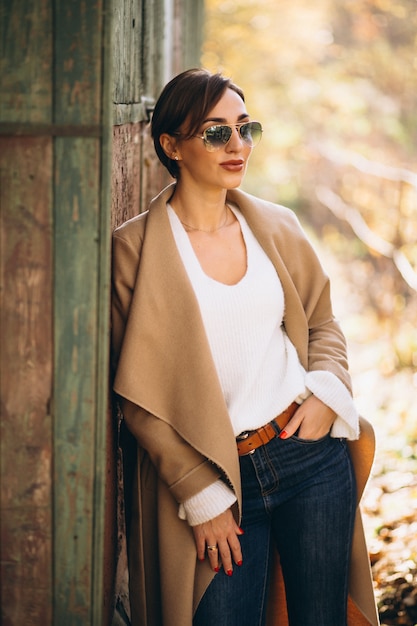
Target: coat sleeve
[
  {"x": 179, "y": 465},
  {"x": 327, "y": 349}
]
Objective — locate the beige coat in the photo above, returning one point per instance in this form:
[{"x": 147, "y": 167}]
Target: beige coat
[{"x": 173, "y": 403}]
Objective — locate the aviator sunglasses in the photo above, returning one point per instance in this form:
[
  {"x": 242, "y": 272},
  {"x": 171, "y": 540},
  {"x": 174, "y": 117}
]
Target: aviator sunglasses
[{"x": 216, "y": 137}]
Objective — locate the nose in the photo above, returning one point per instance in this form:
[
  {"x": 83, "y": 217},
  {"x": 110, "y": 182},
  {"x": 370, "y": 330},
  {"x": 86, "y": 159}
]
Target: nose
[{"x": 235, "y": 142}]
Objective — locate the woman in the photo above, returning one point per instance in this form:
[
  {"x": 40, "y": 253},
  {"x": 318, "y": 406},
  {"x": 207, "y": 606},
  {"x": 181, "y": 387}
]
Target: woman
[{"x": 232, "y": 377}]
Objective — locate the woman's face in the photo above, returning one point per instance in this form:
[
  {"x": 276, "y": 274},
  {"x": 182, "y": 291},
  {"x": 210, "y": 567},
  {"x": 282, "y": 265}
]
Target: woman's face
[{"x": 225, "y": 167}]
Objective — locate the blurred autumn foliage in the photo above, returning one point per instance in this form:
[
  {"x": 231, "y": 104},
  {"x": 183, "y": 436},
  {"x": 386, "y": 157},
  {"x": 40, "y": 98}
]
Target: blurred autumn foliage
[{"x": 334, "y": 84}]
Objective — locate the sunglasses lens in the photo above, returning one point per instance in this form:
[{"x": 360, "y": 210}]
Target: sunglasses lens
[
  {"x": 216, "y": 136},
  {"x": 251, "y": 133}
]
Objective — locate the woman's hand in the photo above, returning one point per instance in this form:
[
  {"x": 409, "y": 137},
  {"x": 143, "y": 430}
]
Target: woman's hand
[
  {"x": 313, "y": 418},
  {"x": 220, "y": 533}
]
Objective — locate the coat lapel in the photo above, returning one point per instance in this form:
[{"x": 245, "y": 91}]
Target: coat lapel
[
  {"x": 165, "y": 313},
  {"x": 260, "y": 219}
]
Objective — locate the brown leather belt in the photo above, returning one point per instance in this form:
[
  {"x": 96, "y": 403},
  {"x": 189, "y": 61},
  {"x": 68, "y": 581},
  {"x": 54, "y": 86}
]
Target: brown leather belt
[{"x": 248, "y": 441}]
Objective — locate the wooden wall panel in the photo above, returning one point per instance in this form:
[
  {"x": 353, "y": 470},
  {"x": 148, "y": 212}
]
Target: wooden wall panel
[
  {"x": 137, "y": 175},
  {"x": 25, "y": 380},
  {"x": 126, "y": 172},
  {"x": 26, "y": 61},
  {"x": 128, "y": 25},
  {"x": 76, "y": 299},
  {"x": 81, "y": 265},
  {"x": 78, "y": 47}
]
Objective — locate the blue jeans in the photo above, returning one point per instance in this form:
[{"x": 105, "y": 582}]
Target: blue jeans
[{"x": 301, "y": 496}]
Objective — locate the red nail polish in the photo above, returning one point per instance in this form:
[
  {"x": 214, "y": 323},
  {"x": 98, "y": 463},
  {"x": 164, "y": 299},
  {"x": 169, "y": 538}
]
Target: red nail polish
[
  {"x": 239, "y": 563},
  {"x": 229, "y": 572},
  {"x": 217, "y": 569},
  {"x": 242, "y": 532},
  {"x": 283, "y": 435},
  {"x": 201, "y": 558}
]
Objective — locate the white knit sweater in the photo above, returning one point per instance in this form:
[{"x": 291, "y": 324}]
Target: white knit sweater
[{"x": 258, "y": 367}]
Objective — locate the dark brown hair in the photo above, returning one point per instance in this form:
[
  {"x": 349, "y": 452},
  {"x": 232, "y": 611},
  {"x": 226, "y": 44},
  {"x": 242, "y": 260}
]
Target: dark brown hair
[{"x": 190, "y": 96}]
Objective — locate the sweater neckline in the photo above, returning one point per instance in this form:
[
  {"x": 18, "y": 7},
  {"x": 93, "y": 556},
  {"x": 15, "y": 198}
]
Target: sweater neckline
[{"x": 187, "y": 251}]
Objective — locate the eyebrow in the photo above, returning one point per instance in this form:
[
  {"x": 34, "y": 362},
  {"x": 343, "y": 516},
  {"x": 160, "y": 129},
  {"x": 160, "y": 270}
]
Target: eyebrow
[{"x": 222, "y": 120}]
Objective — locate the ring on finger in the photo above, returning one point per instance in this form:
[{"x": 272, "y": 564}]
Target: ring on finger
[{"x": 211, "y": 548}]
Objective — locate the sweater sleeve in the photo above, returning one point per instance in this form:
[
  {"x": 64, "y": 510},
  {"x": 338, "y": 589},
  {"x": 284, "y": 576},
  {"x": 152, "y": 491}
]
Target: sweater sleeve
[
  {"x": 207, "y": 504},
  {"x": 330, "y": 390}
]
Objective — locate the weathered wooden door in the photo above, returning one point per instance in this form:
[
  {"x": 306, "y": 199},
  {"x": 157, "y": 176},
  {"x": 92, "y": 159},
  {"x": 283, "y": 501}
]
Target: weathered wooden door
[
  {"x": 55, "y": 207},
  {"x": 78, "y": 80}
]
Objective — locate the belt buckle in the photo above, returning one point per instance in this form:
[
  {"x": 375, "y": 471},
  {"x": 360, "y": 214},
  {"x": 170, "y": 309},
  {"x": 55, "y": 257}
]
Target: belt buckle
[{"x": 243, "y": 435}]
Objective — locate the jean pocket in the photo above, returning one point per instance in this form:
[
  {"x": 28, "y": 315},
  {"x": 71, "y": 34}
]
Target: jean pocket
[{"x": 310, "y": 442}]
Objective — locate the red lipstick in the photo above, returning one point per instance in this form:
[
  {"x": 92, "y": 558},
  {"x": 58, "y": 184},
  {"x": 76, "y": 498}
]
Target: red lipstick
[{"x": 234, "y": 165}]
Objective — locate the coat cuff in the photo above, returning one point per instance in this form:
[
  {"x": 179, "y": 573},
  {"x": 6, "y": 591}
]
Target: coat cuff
[{"x": 194, "y": 481}]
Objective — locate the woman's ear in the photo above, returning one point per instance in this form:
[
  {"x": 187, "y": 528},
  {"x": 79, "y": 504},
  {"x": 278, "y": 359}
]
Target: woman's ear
[{"x": 169, "y": 146}]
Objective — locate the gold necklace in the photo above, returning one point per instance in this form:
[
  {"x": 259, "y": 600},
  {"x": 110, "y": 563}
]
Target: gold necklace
[{"x": 213, "y": 230}]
